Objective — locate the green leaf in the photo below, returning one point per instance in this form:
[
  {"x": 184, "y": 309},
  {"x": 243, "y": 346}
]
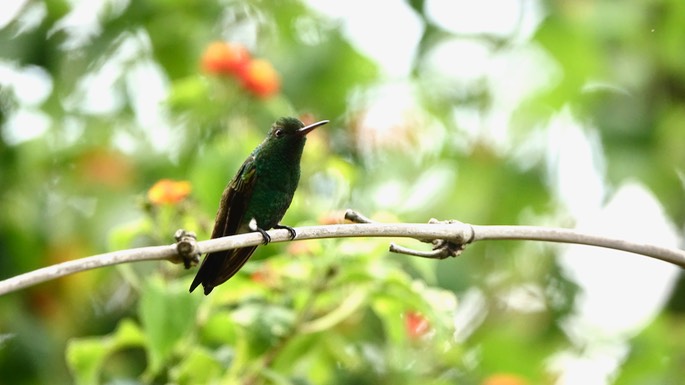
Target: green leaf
[
  {"x": 123, "y": 236},
  {"x": 219, "y": 328},
  {"x": 199, "y": 366},
  {"x": 265, "y": 323},
  {"x": 85, "y": 356},
  {"x": 186, "y": 92},
  {"x": 167, "y": 313}
]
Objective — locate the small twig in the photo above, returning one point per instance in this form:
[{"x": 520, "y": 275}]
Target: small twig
[
  {"x": 357, "y": 217},
  {"x": 433, "y": 254},
  {"x": 442, "y": 248}
]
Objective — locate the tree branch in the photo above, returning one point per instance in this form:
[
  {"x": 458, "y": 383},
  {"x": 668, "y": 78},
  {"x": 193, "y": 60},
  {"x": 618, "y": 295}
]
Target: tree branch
[{"x": 452, "y": 235}]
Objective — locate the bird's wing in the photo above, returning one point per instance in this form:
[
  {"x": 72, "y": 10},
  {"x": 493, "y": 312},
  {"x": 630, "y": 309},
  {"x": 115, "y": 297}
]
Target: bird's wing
[
  {"x": 234, "y": 200},
  {"x": 219, "y": 266}
]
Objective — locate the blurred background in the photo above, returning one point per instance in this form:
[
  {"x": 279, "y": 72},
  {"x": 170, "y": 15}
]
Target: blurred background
[{"x": 121, "y": 121}]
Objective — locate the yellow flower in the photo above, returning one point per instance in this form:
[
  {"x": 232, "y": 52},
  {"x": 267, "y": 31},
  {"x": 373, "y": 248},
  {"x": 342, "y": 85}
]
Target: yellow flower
[{"x": 167, "y": 191}]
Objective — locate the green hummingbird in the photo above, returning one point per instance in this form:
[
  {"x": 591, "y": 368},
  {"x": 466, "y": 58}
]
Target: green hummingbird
[{"x": 256, "y": 198}]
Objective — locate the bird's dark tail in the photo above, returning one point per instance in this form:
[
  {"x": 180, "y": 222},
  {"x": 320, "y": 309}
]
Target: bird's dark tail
[{"x": 219, "y": 267}]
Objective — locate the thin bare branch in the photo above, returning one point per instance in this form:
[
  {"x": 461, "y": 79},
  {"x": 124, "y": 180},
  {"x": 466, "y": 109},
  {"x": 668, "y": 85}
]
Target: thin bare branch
[
  {"x": 552, "y": 234},
  {"x": 452, "y": 233}
]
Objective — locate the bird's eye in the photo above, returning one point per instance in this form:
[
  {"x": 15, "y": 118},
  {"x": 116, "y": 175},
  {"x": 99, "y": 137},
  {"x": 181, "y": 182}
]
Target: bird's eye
[{"x": 278, "y": 133}]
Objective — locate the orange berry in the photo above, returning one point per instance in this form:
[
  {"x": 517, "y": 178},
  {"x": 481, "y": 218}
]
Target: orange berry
[
  {"x": 260, "y": 77},
  {"x": 167, "y": 191},
  {"x": 224, "y": 58}
]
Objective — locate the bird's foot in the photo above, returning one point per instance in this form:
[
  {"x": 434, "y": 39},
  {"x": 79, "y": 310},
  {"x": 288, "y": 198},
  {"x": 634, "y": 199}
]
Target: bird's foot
[
  {"x": 292, "y": 231},
  {"x": 253, "y": 226},
  {"x": 266, "y": 237}
]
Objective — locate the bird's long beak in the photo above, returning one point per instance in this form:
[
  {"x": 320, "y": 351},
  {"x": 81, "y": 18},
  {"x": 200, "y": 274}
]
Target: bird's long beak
[{"x": 307, "y": 129}]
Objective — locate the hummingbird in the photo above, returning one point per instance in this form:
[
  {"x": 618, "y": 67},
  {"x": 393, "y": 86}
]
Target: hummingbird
[{"x": 256, "y": 198}]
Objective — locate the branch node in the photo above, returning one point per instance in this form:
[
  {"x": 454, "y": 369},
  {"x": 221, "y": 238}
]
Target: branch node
[{"x": 186, "y": 247}]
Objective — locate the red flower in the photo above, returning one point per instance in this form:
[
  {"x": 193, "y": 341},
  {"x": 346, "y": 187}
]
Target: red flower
[
  {"x": 256, "y": 75},
  {"x": 260, "y": 77},
  {"x": 416, "y": 325},
  {"x": 224, "y": 58}
]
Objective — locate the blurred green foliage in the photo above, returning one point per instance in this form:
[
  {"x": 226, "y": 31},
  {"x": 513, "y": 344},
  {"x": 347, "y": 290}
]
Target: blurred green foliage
[{"x": 124, "y": 103}]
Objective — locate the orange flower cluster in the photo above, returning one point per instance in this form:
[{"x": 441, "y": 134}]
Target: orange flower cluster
[
  {"x": 232, "y": 59},
  {"x": 167, "y": 191}
]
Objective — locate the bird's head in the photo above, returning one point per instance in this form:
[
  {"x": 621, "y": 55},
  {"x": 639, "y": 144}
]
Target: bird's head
[{"x": 292, "y": 127}]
